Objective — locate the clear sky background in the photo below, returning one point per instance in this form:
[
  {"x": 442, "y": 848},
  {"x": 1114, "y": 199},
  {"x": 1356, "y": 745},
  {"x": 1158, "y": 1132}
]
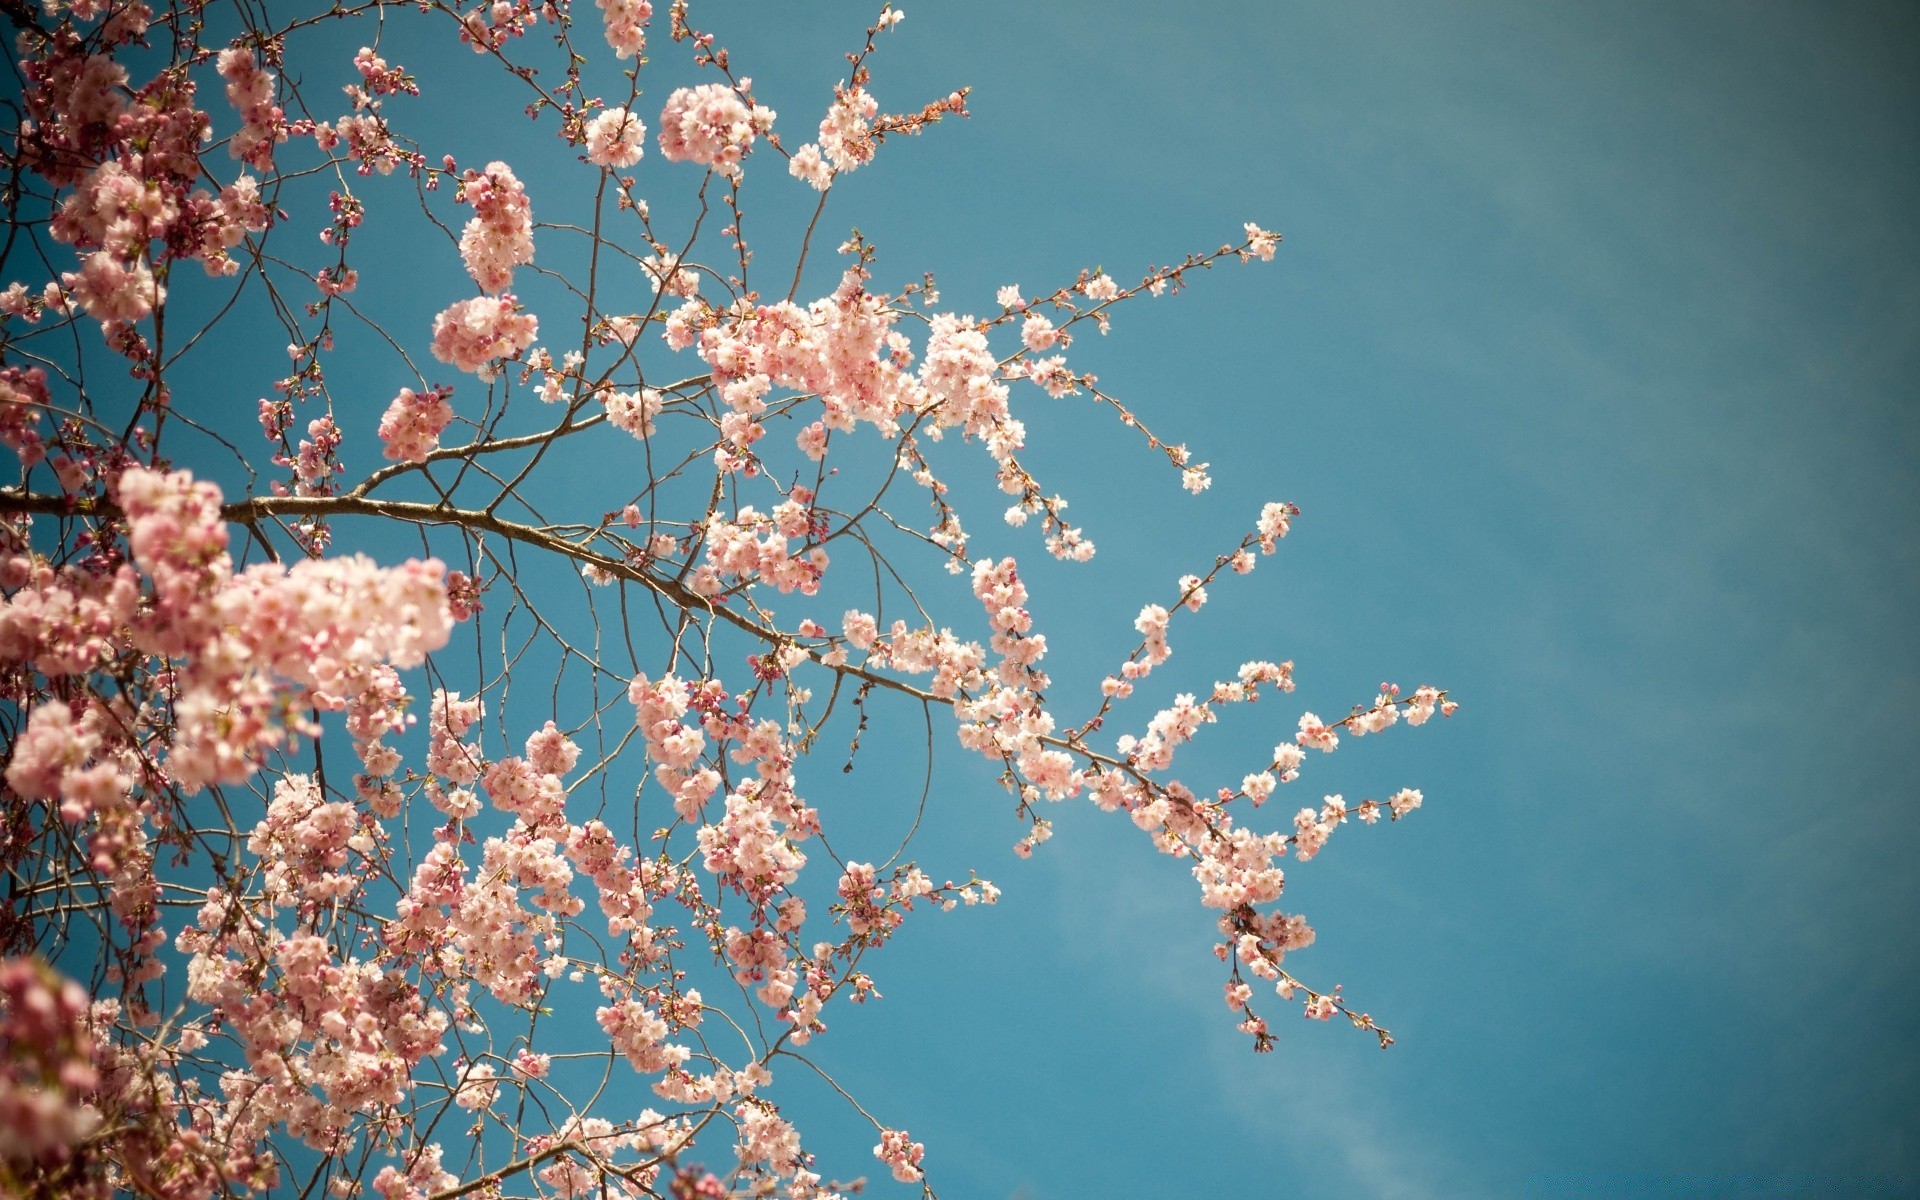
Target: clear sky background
[{"x": 1590, "y": 358}]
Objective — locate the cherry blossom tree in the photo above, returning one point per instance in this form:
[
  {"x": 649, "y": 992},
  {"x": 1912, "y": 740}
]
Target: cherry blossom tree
[{"x": 313, "y": 883}]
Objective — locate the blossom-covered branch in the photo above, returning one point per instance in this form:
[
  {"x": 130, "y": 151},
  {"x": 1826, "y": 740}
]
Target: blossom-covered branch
[{"x": 409, "y": 695}]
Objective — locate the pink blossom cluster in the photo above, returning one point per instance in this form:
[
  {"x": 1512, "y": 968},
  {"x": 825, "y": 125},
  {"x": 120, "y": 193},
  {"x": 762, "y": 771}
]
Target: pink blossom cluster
[
  {"x": 321, "y": 626},
  {"x": 1010, "y": 724},
  {"x": 17, "y": 301},
  {"x": 1005, "y": 719},
  {"x": 422, "y": 1177},
  {"x": 711, "y": 125},
  {"x": 304, "y": 844},
  {"x": 1038, "y": 334},
  {"x": 954, "y": 664},
  {"x": 133, "y": 168},
  {"x": 650, "y": 1134},
  {"x": 316, "y": 461},
  {"x": 478, "y": 1087},
  {"x": 495, "y": 22},
  {"x": 864, "y": 903},
  {"x": 79, "y": 754},
  {"x": 68, "y": 621},
  {"x": 410, "y": 428},
  {"x": 846, "y": 139},
  {"x": 47, "y": 1064},
  {"x": 368, "y": 139},
  {"x": 753, "y": 847},
  {"x": 1165, "y": 732},
  {"x": 1247, "y": 681},
  {"x": 75, "y": 106},
  {"x": 902, "y": 1154},
  {"x": 767, "y": 1137},
  {"x": 324, "y": 1035},
  {"x": 491, "y": 927},
  {"x": 616, "y": 137},
  {"x": 23, "y": 398},
  {"x": 998, "y": 587},
  {"x": 1275, "y": 519},
  {"x": 851, "y": 130},
  {"x": 500, "y": 235},
  {"x": 518, "y": 898},
  {"x": 1312, "y": 829},
  {"x": 451, "y": 716},
  {"x": 757, "y": 547},
  {"x": 1316, "y": 734},
  {"x": 625, "y": 892},
  {"x": 518, "y": 787},
  {"x": 122, "y": 205},
  {"x": 1261, "y": 941},
  {"x": 324, "y": 624},
  {"x": 758, "y": 956},
  {"x": 626, "y": 29},
  {"x": 960, "y": 376},
  {"x": 113, "y": 289},
  {"x": 472, "y": 334},
  {"x": 380, "y": 79},
  {"x": 1152, "y": 626},
  {"x": 660, "y": 711},
  {"x": 666, "y": 275},
  {"x": 640, "y": 1033},
  {"x": 177, "y": 537},
  {"x": 1424, "y": 701},
  {"x": 250, "y": 90},
  {"x": 844, "y": 350},
  {"x": 841, "y": 348},
  {"x": 634, "y": 412}
]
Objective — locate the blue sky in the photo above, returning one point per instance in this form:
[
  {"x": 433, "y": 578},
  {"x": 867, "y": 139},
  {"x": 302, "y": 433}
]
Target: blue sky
[{"x": 1589, "y": 356}]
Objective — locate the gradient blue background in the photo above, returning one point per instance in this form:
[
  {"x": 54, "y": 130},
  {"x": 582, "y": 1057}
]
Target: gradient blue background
[{"x": 1590, "y": 358}]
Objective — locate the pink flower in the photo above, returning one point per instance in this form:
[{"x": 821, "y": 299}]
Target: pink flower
[
  {"x": 500, "y": 236},
  {"x": 48, "y": 1070},
  {"x": 1315, "y": 734},
  {"x": 23, "y": 394},
  {"x": 898, "y": 1151},
  {"x": 551, "y": 752},
  {"x": 111, "y": 290},
  {"x": 531, "y": 1065},
  {"x": 846, "y": 139},
  {"x": 250, "y": 90},
  {"x": 808, "y": 166},
  {"x": 1038, "y": 333},
  {"x": 471, "y": 334},
  {"x": 1260, "y": 242},
  {"x": 1275, "y": 520},
  {"x": 1258, "y": 787},
  {"x": 626, "y": 28},
  {"x": 634, "y": 411},
  {"x": 410, "y": 428},
  {"x": 616, "y": 138},
  {"x": 712, "y": 126}
]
